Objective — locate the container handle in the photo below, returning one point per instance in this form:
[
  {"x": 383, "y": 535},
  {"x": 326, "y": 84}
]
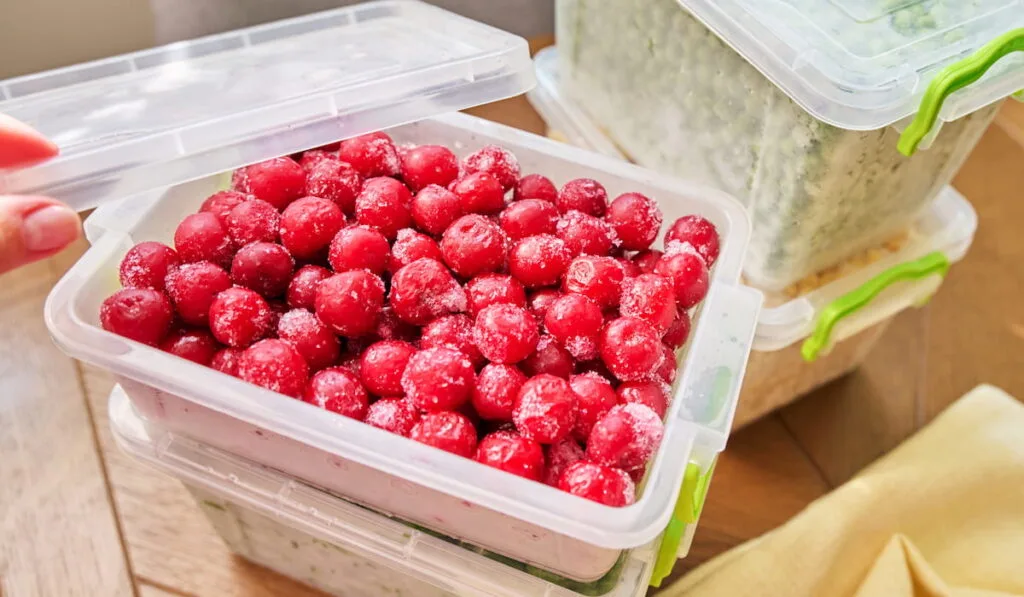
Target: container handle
[
  {"x": 935, "y": 263},
  {"x": 687, "y": 511},
  {"x": 952, "y": 78}
]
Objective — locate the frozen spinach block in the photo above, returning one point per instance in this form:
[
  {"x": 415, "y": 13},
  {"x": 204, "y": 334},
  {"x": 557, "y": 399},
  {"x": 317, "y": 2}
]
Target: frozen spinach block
[{"x": 677, "y": 99}]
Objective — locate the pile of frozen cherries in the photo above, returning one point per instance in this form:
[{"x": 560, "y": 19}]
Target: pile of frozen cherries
[{"x": 456, "y": 303}]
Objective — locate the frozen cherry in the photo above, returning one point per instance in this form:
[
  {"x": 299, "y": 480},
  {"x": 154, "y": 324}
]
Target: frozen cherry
[
  {"x": 583, "y": 194},
  {"x": 350, "y": 302},
  {"x": 599, "y": 278},
  {"x": 276, "y": 365},
  {"x": 646, "y": 260},
  {"x": 496, "y": 161},
  {"x": 550, "y": 358},
  {"x": 411, "y": 246},
  {"x": 575, "y": 321},
  {"x": 666, "y": 372},
  {"x": 535, "y": 186},
  {"x": 309, "y": 159},
  {"x": 382, "y": 365},
  {"x": 396, "y": 415},
  {"x": 630, "y": 348},
  {"x": 561, "y": 456},
  {"x": 649, "y": 297},
  {"x": 541, "y": 301},
  {"x": 226, "y": 361},
  {"x": 197, "y": 346},
  {"x": 308, "y": 226},
  {"x": 314, "y": 340},
  {"x": 301, "y": 292},
  {"x": 601, "y": 484},
  {"x": 594, "y": 397},
  {"x": 545, "y": 409},
  {"x": 278, "y": 181},
  {"x": 427, "y": 165},
  {"x": 452, "y": 331},
  {"x": 140, "y": 314},
  {"x": 193, "y": 286},
  {"x": 434, "y": 208},
  {"x": 505, "y": 333},
  {"x": 239, "y": 317},
  {"x": 146, "y": 265},
  {"x": 202, "y": 237},
  {"x": 479, "y": 193},
  {"x": 338, "y": 390},
  {"x": 384, "y": 204},
  {"x": 474, "y": 245},
  {"x": 636, "y": 219},
  {"x": 512, "y": 453},
  {"x": 492, "y": 289},
  {"x": 699, "y": 232},
  {"x": 373, "y": 154},
  {"x": 625, "y": 437},
  {"x": 448, "y": 431},
  {"x": 539, "y": 260},
  {"x": 425, "y": 290},
  {"x": 652, "y": 394},
  {"x": 264, "y": 267},
  {"x": 335, "y": 181},
  {"x": 496, "y": 389},
  {"x": 438, "y": 379},
  {"x": 253, "y": 221},
  {"x": 221, "y": 203},
  {"x": 529, "y": 217},
  {"x": 678, "y": 332},
  {"x": 585, "y": 234},
  {"x": 689, "y": 276},
  {"x": 360, "y": 248}
]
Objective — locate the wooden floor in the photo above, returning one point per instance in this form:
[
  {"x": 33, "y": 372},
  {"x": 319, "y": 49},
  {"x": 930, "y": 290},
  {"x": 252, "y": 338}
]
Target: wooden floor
[{"x": 78, "y": 518}]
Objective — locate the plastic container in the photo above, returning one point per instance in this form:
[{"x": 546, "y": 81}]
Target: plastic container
[
  {"x": 461, "y": 63},
  {"x": 781, "y": 369},
  {"x": 337, "y": 546},
  {"x": 795, "y": 106}
]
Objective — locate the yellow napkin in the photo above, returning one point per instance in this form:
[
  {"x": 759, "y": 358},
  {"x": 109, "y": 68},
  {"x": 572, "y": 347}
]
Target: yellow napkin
[{"x": 941, "y": 515}]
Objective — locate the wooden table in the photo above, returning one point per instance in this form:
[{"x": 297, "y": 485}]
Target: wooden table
[{"x": 78, "y": 518}]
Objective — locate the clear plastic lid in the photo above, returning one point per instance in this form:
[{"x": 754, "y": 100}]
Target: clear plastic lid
[
  {"x": 864, "y": 64},
  {"x": 160, "y": 117}
]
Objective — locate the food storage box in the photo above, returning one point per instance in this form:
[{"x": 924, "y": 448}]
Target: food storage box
[
  {"x": 166, "y": 125},
  {"x": 337, "y": 546},
  {"x": 795, "y": 106},
  {"x": 846, "y": 308}
]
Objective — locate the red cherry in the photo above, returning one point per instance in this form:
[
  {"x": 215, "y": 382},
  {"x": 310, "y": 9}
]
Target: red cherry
[
  {"x": 309, "y": 225},
  {"x": 425, "y": 290},
  {"x": 438, "y": 379},
  {"x": 539, "y": 260},
  {"x": 382, "y": 365},
  {"x": 301, "y": 292},
  {"x": 479, "y": 193},
  {"x": 339, "y": 391},
  {"x": 239, "y": 317},
  {"x": 699, "y": 232},
  {"x": 192, "y": 287},
  {"x": 583, "y": 194},
  {"x": 496, "y": 161},
  {"x": 505, "y": 333},
  {"x": 275, "y": 365},
  {"x": 264, "y": 267},
  {"x": 689, "y": 276},
  {"x": 350, "y": 302},
  {"x": 335, "y": 181},
  {"x": 202, "y": 237},
  {"x": 448, "y": 431},
  {"x": 594, "y": 397},
  {"x": 360, "y": 248},
  {"x": 427, "y": 165},
  {"x": 545, "y": 409},
  {"x": 373, "y": 154},
  {"x": 197, "y": 346},
  {"x": 139, "y": 314},
  {"x": 396, "y": 415},
  {"x": 630, "y": 348},
  {"x": 314, "y": 340},
  {"x": 597, "y": 483},
  {"x": 434, "y": 208},
  {"x": 278, "y": 181},
  {"x": 512, "y": 453},
  {"x": 221, "y": 203},
  {"x": 147, "y": 264},
  {"x": 636, "y": 219},
  {"x": 599, "y": 278},
  {"x": 384, "y": 204},
  {"x": 535, "y": 186},
  {"x": 496, "y": 389}
]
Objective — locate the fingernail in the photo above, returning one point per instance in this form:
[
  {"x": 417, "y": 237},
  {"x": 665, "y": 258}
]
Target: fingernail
[{"x": 49, "y": 228}]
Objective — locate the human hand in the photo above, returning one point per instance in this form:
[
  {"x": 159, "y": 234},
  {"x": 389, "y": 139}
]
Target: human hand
[{"x": 31, "y": 228}]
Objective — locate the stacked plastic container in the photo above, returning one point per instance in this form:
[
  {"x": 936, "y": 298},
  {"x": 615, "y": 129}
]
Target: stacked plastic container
[
  {"x": 148, "y": 136},
  {"x": 795, "y": 106},
  {"x": 807, "y": 338}
]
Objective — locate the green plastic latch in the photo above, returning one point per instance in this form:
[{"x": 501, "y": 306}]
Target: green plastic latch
[
  {"x": 952, "y": 78},
  {"x": 851, "y": 302},
  {"x": 687, "y": 511}
]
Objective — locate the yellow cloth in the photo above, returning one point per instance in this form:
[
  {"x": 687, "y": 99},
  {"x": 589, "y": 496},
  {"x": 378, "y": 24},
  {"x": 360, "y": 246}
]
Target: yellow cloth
[{"x": 941, "y": 515}]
